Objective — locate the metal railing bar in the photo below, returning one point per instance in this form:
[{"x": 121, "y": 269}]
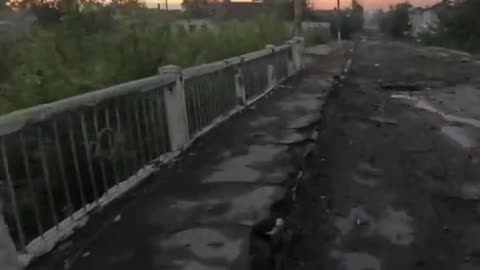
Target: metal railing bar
[
  {"x": 13, "y": 197},
  {"x": 75, "y": 163},
  {"x": 46, "y": 176},
  {"x": 31, "y": 186},
  {"x": 98, "y": 155},
  {"x": 62, "y": 170},
  {"x": 86, "y": 143},
  {"x": 16, "y": 120}
]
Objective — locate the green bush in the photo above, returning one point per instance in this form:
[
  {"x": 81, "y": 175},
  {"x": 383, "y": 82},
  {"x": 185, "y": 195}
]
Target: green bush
[
  {"x": 351, "y": 20},
  {"x": 396, "y": 21},
  {"x": 90, "y": 50},
  {"x": 313, "y": 37},
  {"x": 459, "y": 27}
]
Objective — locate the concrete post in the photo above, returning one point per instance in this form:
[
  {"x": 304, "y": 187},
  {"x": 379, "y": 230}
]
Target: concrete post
[
  {"x": 240, "y": 85},
  {"x": 271, "y": 78},
  {"x": 297, "y": 52},
  {"x": 176, "y": 109},
  {"x": 301, "y": 49},
  {"x": 290, "y": 63}
]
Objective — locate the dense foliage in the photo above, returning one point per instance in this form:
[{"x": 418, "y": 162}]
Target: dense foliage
[
  {"x": 101, "y": 46},
  {"x": 351, "y": 20},
  {"x": 459, "y": 27},
  {"x": 396, "y": 21}
]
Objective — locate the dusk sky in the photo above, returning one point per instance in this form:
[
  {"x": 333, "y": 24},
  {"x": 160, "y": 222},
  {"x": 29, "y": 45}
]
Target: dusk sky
[
  {"x": 370, "y": 4},
  {"x": 323, "y": 4}
]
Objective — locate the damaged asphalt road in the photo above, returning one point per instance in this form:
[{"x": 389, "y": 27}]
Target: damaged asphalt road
[
  {"x": 395, "y": 179},
  {"x": 199, "y": 212}
]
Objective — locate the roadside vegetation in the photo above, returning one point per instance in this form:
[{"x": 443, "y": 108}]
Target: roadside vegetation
[
  {"x": 98, "y": 47},
  {"x": 71, "y": 48},
  {"x": 351, "y": 20},
  {"x": 395, "y": 21},
  {"x": 459, "y": 27}
]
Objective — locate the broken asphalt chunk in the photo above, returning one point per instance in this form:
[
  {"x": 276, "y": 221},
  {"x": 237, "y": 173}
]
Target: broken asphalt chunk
[
  {"x": 293, "y": 138},
  {"x": 382, "y": 120},
  {"x": 400, "y": 86}
]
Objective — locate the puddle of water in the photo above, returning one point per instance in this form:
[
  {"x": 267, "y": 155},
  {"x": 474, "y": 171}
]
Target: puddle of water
[
  {"x": 395, "y": 225},
  {"x": 293, "y": 138},
  {"x": 367, "y": 175},
  {"x": 468, "y": 266},
  {"x": 360, "y": 261},
  {"x": 304, "y": 102},
  {"x": 197, "y": 266},
  {"x": 424, "y": 105},
  {"x": 262, "y": 121},
  {"x": 248, "y": 208},
  {"x": 365, "y": 180},
  {"x": 239, "y": 168},
  {"x": 198, "y": 241},
  {"x": 366, "y": 167},
  {"x": 346, "y": 224},
  {"x": 459, "y": 135},
  {"x": 403, "y": 96},
  {"x": 470, "y": 191}
]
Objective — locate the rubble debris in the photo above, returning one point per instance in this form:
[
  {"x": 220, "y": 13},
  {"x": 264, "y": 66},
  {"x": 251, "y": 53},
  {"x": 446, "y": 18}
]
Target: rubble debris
[
  {"x": 285, "y": 86},
  {"x": 294, "y": 188},
  {"x": 411, "y": 87},
  {"x": 309, "y": 151},
  {"x": 293, "y": 138},
  {"x": 86, "y": 254},
  {"x": 117, "y": 218},
  {"x": 382, "y": 120},
  {"x": 304, "y": 122},
  {"x": 358, "y": 222},
  {"x": 67, "y": 265}
]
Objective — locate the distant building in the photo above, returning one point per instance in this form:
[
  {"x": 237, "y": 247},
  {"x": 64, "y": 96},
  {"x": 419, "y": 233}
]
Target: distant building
[
  {"x": 423, "y": 20},
  {"x": 321, "y": 27},
  {"x": 426, "y": 19}
]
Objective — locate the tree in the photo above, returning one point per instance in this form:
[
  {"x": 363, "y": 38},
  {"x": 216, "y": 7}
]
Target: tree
[
  {"x": 351, "y": 19},
  {"x": 458, "y": 27},
  {"x": 377, "y": 17},
  {"x": 396, "y": 21},
  {"x": 357, "y": 16},
  {"x": 285, "y": 8},
  {"x": 197, "y": 8}
]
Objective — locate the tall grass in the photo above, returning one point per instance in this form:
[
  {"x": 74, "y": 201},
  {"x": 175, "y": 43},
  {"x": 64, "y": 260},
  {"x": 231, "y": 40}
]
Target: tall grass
[{"x": 88, "y": 51}]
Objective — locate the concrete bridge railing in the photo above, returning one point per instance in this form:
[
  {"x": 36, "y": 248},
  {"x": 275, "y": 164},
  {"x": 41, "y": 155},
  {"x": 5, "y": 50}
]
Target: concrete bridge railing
[{"x": 59, "y": 161}]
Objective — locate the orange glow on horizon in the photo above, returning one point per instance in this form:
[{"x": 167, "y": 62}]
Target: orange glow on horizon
[
  {"x": 369, "y": 4},
  {"x": 323, "y": 4}
]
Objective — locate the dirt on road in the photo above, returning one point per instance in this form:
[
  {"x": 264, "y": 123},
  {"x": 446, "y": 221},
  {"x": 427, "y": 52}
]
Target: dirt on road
[{"x": 395, "y": 181}]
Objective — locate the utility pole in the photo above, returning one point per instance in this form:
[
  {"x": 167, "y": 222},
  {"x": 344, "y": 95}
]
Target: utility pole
[
  {"x": 339, "y": 30},
  {"x": 297, "y": 5}
]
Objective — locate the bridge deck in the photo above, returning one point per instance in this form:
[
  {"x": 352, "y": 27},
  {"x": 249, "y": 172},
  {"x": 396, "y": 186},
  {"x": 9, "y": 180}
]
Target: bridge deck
[{"x": 197, "y": 212}]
